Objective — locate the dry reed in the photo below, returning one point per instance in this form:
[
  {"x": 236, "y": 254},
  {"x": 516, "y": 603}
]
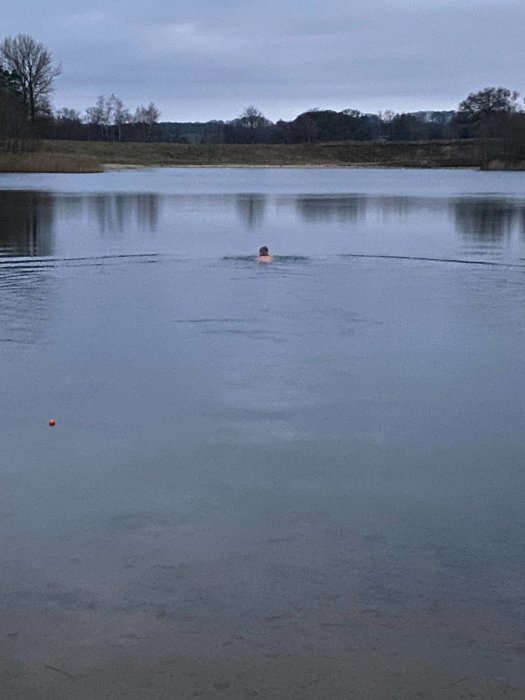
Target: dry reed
[{"x": 45, "y": 162}]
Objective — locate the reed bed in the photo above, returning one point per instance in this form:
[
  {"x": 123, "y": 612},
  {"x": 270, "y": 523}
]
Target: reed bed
[{"x": 47, "y": 162}]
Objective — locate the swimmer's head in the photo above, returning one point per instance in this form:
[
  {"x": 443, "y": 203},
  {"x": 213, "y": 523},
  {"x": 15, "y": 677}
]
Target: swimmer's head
[{"x": 263, "y": 251}]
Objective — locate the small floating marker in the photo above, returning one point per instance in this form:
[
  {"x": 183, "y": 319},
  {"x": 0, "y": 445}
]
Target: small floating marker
[{"x": 52, "y": 422}]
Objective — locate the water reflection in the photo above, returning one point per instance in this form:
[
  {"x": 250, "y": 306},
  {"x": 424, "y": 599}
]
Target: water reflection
[
  {"x": 26, "y": 223},
  {"x": 403, "y": 207},
  {"x": 321, "y": 209},
  {"x": 45, "y": 224},
  {"x": 490, "y": 220},
  {"x": 251, "y": 208},
  {"x": 118, "y": 212},
  {"x": 29, "y": 220}
]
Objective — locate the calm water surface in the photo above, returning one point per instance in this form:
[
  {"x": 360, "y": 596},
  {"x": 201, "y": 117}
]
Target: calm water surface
[{"x": 312, "y": 455}]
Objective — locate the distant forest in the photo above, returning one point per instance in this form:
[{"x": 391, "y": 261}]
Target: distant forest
[
  {"x": 252, "y": 127},
  {"x": 494, "y": 115}
]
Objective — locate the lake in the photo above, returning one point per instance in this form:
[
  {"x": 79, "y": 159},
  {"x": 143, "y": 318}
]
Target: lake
[{"x": 301, "y": 479}]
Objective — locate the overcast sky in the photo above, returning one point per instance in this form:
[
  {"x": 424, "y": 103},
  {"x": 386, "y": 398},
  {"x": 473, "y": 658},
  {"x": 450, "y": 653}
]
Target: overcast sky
[{"x": 209, "y": 59}]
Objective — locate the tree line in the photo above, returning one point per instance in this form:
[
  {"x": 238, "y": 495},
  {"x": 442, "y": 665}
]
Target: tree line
[
  {"x": 27, "y": 74},
  {"x": 494, "y": 115}
]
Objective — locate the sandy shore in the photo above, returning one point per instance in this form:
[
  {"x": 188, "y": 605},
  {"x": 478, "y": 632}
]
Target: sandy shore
[
  {"x": 244, "y": 166},
  {"x": 283, "y": 166}
]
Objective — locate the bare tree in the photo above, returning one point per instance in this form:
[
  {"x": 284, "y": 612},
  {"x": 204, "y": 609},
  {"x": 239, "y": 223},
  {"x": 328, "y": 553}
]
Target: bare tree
[
  {"x": 100, "y": 116},
  {"x": 68, "y": 114},
  {"x": 31, "y": 65},
  {"x": 68, "y": 124},
  {"x": 121, "y": 115},
  {"x": 253, "y": 120},
  {"x": 146, "y": 118},
  {"x": 109, "y": 114}
]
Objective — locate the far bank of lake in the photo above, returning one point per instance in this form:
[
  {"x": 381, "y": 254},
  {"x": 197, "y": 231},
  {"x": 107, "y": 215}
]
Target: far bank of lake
[{"x": 96, "y": 156}]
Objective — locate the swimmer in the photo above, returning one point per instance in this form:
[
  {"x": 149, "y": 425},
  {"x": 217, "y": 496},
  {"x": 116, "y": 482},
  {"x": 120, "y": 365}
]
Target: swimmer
[{"x": 264, "y": 255}]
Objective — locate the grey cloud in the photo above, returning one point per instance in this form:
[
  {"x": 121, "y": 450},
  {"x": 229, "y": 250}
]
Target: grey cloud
[{"x": 291, "y": 54}]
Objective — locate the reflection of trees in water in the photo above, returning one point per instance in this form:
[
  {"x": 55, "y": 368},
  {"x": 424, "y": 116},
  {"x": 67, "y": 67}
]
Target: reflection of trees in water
[
  {"x": 353, "y": 207},
  {"x": 522, "y": 222},
  {"x": 489, "y": 220},
  {"x": 117, "y": 212},
  {"x": 327, "y": 208},
  {"x": 70, "y": 205},
  {"x": 402, "y": 207},
  {"x": 26, "y": 223},
  {"x": 251, "y": 208},
  {"x": 394, "y": 206}
]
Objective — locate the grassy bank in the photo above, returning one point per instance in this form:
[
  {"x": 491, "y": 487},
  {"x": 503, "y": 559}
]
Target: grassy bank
[
  {"x": 48, "y": 162},
  {"x": 93, "y": 156}
]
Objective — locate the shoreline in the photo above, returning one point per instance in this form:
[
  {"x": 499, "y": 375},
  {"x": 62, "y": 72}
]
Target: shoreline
[
  {"x": 103, "y": 156},
  {"x": 285, "y": 166},
  {"x": 99, "y": 156}
]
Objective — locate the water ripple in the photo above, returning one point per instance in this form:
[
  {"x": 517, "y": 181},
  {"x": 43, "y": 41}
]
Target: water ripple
[
  {"x": 48, "y": 262},
  {"x": 429, "y": 259}
]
